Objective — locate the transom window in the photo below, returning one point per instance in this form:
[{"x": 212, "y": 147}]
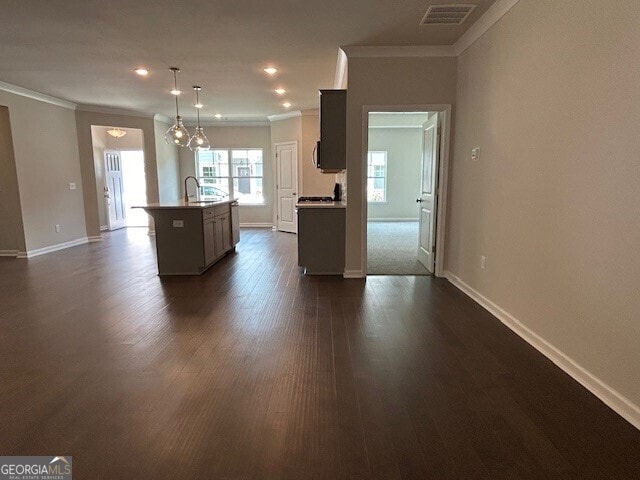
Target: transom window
[
  {"x": 376, "y": 177},
  {"x": 233, "y": 171}
]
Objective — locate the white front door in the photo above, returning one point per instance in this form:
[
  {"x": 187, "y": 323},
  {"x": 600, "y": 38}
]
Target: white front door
[
  {"x": 428, "y": 199},
  {"x": 287, "y": 186},
  {"x": 114, "y": 190}
]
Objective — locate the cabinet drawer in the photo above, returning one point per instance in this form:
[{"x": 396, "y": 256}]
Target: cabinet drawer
[{"x": 208, "y": 213}]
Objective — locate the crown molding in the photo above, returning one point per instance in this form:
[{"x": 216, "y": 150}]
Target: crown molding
[
  {"x": 229, "y": 123},
  {"x": 484, "y": 23},
  {"x": 113, "y": 111},
  {"x": 284, "y": 116},
  {"x": 357, "y": 51},
  {"x": 340, "y": 81},
  {"x": 41, "y": 97}
]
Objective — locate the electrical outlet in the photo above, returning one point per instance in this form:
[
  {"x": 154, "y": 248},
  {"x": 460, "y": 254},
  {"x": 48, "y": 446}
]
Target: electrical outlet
[
  {"x": 72, "y": 185},
  {"x": 483, "y": 262},
  {"x": 475, "y": 154},
  {"x": 58, "y": 228}
]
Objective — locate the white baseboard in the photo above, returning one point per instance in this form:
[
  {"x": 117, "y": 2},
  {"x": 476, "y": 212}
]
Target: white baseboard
[
  {"x": 395, "y": 219},
  {"x": 104, "y": 228},
  {"x": 52, "y": 248},
  {"x": 256, "y": 225},
  {"x": 97, "y": 238},
  {"x": 9, "y": 253},
  {"x": 353, "y": 274},
  {"x": 615, "y": 400}
]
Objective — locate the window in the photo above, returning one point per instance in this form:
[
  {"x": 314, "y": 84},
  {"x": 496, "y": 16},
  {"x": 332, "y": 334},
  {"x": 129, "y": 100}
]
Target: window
[
  {"x": 242, "y": 177},
  {"x": 377, "y": 177}
]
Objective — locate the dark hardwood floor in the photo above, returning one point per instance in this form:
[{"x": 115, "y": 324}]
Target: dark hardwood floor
[{"x": 254, "y": 371}]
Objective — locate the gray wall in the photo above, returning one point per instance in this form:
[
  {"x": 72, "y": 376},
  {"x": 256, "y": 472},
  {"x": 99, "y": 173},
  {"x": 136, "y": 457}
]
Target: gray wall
[
  {"x": 550, "y": 95},
  {"x": 168, "y": 165},
  {"x": 45, "y": 146},
  {"x": 239, "y": 137},
  {"x": 404, "y": 161},
  {"x": 385, "y": 81},
  {"x": 12, "y": 231}
]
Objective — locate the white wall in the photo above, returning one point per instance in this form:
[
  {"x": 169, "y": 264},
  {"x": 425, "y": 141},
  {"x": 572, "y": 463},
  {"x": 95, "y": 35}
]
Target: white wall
[
  {"x": 45, "y": 145},
  {"x": 550, "y": 95},
  {"x": 239, "y": 137},
  {"x": 404, "y": 162}
]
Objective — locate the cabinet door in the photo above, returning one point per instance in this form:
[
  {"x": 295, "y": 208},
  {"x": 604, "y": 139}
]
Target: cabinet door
[
  {"x": 226, "y": 232},
  {"x": 209, "y": 242},
  {"x": 332, "y": 151},
  {"x": 217, "y": 237}
]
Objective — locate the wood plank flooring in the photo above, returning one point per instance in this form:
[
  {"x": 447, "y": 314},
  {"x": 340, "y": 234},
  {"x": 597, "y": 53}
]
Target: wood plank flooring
[{"x": 254, "y": 371}]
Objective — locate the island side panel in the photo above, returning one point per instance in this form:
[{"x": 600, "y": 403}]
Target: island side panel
[{"x": 180, "y": 248}]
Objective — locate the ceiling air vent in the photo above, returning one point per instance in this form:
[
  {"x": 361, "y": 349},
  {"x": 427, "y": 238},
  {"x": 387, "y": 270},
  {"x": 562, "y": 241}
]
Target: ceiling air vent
[{"x": 446, "y": 14}]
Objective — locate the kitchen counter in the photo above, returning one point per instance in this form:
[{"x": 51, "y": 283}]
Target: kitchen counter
[
  {"x": 181, "y": 204},
  {"x": 192, "y": 236},
  {"x": 341, "y": 204}
]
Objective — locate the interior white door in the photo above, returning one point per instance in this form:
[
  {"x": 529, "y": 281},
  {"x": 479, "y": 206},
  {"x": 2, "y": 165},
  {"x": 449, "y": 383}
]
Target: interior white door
[
  {"x": 114, "y": 190},
  {"x": 287, "y": 186},
  {"x": 428, "y": 198}
]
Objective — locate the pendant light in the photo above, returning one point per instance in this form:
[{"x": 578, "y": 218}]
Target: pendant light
[
  {"x": 177, "y": 135},
  {"x": 199, "y": 141}
]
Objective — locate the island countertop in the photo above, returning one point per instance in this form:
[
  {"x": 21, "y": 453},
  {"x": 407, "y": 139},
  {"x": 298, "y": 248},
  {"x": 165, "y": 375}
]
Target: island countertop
[{"x": 181, "y": 204}]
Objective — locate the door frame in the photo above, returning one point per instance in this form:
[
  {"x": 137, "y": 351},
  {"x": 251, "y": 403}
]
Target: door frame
[
  {"x": 444, "y": 122},
  {"x": 276, "y": 210}
]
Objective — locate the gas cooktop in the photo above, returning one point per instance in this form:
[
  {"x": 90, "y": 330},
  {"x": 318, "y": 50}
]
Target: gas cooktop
[{"x": 315, "y": 199}]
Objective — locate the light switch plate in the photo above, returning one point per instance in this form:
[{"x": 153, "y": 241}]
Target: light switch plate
[
  {"x": 178, "y": 223},
  {"x": 475, "y": 154},
  {"x": 72, "y": 185}
]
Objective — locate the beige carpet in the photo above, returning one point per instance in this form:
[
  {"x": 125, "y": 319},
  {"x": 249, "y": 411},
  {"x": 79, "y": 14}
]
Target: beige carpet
[{"x": 392, "y": 249}]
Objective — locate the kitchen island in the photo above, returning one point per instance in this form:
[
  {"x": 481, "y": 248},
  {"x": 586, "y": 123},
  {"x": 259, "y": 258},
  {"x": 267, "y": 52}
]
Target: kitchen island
[{"x": 192, "y": 236}]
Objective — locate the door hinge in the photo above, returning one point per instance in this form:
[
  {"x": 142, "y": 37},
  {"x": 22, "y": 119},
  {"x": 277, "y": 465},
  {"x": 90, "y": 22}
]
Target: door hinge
[{"x": 433, "y": 249}]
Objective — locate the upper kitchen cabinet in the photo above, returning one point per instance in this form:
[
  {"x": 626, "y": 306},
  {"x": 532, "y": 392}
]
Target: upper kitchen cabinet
[{"x": 332, "y": 147}]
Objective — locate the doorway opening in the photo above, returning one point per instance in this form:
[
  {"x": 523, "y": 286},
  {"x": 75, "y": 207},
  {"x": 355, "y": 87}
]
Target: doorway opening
[
  {"x": 403, "y": 150},
  {"x": 120, "y": 176}
]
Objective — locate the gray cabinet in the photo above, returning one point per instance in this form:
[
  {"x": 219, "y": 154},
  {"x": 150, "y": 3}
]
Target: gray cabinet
[
  {"x": 332, "y": 147},
  {"x": 321, "y": 240}
]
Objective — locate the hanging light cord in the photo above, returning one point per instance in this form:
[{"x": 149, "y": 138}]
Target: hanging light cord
[
  {"x": 197, "y": 109},
  {"x": 175, "y": 87}
]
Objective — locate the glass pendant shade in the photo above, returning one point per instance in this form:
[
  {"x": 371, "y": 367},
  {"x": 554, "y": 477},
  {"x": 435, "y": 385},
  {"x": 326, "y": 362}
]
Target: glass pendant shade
[
  {"x": 199, "y": 141},
  {"x": 177, "y": 135}
]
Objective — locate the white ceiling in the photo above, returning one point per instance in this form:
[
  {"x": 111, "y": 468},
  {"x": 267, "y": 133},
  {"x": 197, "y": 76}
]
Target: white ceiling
[{"x": 84, "y": 50}]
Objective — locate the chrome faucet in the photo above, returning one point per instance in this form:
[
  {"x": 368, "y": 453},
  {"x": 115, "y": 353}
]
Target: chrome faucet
[{"x": 186, "y": 193}]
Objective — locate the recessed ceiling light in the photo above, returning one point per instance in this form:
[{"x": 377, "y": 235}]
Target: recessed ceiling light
[
  {"x": 198, "y": 105},
  {"x": 143, "y": 72},
  {"x": 286, "y": 105},
  {"x": 280, "y": 91},
  {"x": 175, "y": 92},
  {"x": 271, "y": 70},
  {"x": 218, "y": 115}
]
